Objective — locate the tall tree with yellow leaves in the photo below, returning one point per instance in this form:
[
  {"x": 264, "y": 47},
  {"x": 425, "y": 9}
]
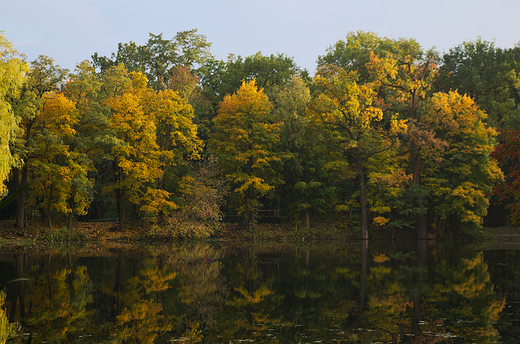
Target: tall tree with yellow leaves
[
  {"x": 244, "y": 139},
  {"x": 153, "y": 130}
]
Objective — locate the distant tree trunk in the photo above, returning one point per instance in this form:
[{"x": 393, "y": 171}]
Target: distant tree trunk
[
  {"x": 120, "y": 200},
  {"x": 19, "y": 182},
  {"x": 71, "y": 218},
  {"x": 362, "y": 197},
  {"x": 307, "y": 219},
  {"x": 49, "y": 220},
  {"x": 420, "y": 219}
]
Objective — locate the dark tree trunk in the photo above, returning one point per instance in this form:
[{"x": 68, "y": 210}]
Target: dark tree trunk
[
  {"x": 307, "y": 219},
  {"x": 362, "y": 197},
  {"x": 420, "y": 219},
  {"x": 49, "y": 220},
  {"x": 120, "y": 200},
  {"x": 19, "y": 182},
  {"x": 72, "y": 216}
]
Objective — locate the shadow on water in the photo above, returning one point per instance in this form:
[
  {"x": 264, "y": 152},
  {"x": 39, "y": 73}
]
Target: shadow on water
[{"x": 213, "y": 293}]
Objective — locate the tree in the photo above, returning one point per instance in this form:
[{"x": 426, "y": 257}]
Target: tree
[
  {"x": 408, "y": 79},
  {"x": 226, "y": 77},
  {"x": 347, "y": 111},
  {"x": 58, "y": 166},
  {"x": 508, "y": 153},
  {"x": 463, "y": 175},
  {"x": 42, "y": 78},
  {"x": 306, "y": 188},
  {"x": 488, "y": 74},
  {"x": 404, "y": 73},
  {"x": 12, "y": 76},
  {"x": 92, "y": 140},
  {"x": 204, "y": 192},
  {"x": 159, "y": 57},
  {"x": 244, "y": 138},
  {"x": 153, "y": 130}
]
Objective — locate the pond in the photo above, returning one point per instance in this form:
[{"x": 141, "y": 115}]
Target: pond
[{"x": 223, "y": 293}]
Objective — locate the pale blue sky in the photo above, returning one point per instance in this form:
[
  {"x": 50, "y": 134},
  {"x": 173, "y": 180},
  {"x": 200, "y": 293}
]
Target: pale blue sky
[{"x": 70, "y": 31}]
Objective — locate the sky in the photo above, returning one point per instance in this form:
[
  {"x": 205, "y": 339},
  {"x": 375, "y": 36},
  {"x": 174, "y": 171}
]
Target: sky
[{"x": 70, "y": 31}]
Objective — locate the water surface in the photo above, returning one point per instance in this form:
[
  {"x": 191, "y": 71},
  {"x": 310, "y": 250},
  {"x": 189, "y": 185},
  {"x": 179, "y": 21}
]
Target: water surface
[{"x": 217, "y": 293}]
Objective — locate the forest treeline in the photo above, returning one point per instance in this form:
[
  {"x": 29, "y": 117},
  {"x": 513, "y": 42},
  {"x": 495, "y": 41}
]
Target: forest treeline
[{"x": 385, "y": 134}]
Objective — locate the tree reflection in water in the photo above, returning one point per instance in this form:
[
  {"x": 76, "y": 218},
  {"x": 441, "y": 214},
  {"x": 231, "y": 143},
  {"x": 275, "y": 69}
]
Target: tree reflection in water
[{"x": 207, "y": 294}]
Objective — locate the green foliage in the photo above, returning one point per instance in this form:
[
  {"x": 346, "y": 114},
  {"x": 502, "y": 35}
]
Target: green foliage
[
  {"x": 159, "y": 58},
  {"x": 12, "y": 75},
  {"x": 204, "y": 194},
  {"x": 488, "y": 74},
  {"x": 354, "y": 53},
  {"x": 153, "y": 130},
  {"x": 64, "y": 235},
  {"x": 463, "y": 176},
  {"x": 226, "y": 77},
  {"x": 245, "y": 137},
  {"x": 307, "y": 185},
  {"x": 367, "y": 132}
]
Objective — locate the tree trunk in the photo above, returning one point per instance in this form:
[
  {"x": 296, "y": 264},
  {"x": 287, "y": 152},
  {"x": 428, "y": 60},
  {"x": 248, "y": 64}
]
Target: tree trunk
[
  {"x": 420, "y": 219},
  {"x": 120, "y": 201},
  {"x": 71, "y": 218},
  {"x": 362, "y": 197},
  {"x": 49, "y": 220},
  {"x": 120, "y": 207},
  {"x": 307, "y": 219},
  {"x": 19, "y": 182}
]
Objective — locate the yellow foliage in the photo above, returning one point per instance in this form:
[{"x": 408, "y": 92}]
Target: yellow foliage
[
  {"x": 381, "y": 258},
  {"x": 381, "y": 221},
  {"x": 7, "y": 329}
]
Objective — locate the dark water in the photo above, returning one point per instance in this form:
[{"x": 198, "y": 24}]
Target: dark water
[{"x": 220, "y": 294}]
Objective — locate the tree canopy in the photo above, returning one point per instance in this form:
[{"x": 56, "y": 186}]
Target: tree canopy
[{"x": 386, "y": 135}]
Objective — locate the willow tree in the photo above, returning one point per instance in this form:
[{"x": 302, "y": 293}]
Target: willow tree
[{"x": 244, "y": 139}]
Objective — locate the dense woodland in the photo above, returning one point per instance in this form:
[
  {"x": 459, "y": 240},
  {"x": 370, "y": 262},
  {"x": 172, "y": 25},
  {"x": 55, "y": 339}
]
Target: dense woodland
[{"x": 385, "y": 134}]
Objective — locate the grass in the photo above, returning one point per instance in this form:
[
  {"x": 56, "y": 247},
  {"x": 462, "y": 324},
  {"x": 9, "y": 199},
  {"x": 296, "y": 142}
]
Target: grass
[
  {"x": 64, "y": 236},
  {"x": 284, "y": 233}
]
